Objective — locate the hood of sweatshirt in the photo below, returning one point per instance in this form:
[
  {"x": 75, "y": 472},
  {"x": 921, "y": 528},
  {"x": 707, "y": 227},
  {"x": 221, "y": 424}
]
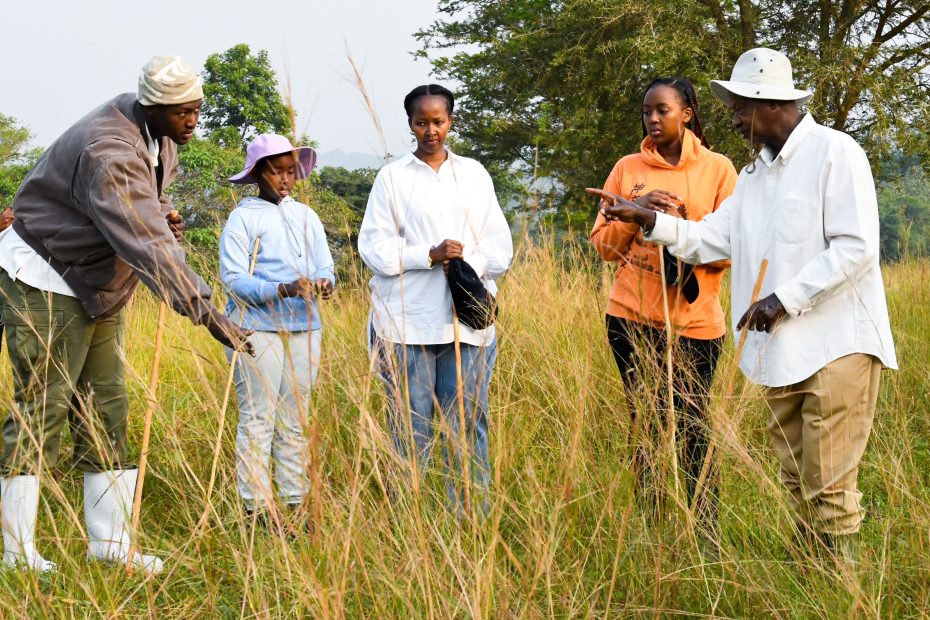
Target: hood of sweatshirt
[
  {"x": 690, "y": 150},
  {"x": 254, "y": 202}
]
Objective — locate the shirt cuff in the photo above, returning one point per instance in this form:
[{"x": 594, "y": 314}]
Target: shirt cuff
[
  {"x": 478, "y": 262},
  {"x": 416, "y": 257},
  {"x": 269, "y": 291},
  {"x": 665, "y": 231},
  {"x": 792, "y": 299}
]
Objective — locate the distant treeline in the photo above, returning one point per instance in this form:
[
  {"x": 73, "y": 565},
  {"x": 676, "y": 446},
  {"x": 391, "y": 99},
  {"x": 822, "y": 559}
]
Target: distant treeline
[{"x": 523, "y": 139}]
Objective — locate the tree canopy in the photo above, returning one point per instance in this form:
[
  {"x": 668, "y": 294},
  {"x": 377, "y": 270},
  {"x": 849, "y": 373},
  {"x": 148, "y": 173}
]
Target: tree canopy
[
  {"x": 16, "y": 158},
  {"x": 555, "y": 87},
  {"x": 242, "y": 97}
]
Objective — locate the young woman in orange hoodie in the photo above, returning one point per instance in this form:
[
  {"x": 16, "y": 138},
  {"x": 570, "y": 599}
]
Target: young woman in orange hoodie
[{"x": 673, "y": 168}]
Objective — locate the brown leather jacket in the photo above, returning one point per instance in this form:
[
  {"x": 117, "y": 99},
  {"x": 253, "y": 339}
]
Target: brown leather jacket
[{"x": 94, "y": 207}]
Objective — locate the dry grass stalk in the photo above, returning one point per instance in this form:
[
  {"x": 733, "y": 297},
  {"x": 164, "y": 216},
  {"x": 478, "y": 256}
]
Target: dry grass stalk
[
  {"x": 464, "y": 448},
  {"x": 221, "y": 423},
  {"x": 146, "y": 432},
  {"x": 738, "y": 356}
]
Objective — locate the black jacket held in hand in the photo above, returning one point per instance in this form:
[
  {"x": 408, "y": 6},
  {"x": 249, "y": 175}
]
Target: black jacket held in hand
[
  {"x": 473, "y": 304},
  {"x": 93, "y": 206}
]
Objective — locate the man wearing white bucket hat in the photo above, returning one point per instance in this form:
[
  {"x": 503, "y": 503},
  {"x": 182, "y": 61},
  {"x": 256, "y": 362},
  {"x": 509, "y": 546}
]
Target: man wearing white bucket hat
[
  {"x": 91, "y": 221},
  {"x": 820, "y": 334}
]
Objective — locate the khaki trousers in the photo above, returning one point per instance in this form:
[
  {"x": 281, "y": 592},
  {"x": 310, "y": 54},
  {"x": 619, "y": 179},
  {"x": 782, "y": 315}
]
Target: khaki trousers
[
  {"x": 67, "y": 369},
  {"x": 819, "y": 429}
]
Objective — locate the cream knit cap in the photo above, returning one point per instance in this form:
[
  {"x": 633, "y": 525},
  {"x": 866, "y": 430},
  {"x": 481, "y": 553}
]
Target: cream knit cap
[{"x": 168, "y": 80}]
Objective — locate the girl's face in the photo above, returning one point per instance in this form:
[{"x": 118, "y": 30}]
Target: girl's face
[
  {"x": 276, "y": 177},
  {"x": 430, "y": 123},
  {"x": 665, "y": 115}
]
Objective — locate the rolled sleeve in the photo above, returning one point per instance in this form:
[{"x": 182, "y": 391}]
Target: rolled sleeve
[
  {"x": 665, "y": 230},
  {"x": 416, "y": 257},
  {"x": 478, "y": 262},
  {"x": 792, "y": 299}
]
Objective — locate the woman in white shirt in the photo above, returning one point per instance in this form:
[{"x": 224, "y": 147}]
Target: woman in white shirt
[{"x": 426, "y": 208}]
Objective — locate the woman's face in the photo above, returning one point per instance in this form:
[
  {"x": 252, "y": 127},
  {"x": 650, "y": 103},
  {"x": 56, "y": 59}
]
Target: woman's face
[
  {"x": 276, "y": 177},
  {"x": 665, "y": 115},
  {"x": 430, "y": 123}
]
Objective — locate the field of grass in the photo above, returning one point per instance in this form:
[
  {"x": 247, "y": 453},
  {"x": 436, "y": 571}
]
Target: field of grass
[{"x": 565, "y": 536}]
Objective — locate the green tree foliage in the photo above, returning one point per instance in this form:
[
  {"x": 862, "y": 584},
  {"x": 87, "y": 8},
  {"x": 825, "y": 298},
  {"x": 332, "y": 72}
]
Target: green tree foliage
[
  {"x": 904, "y": 213},
  {"x": 337, "y": 210},
  {"x": 16, "y": 158},
  {"x": 201, "y": 191},
  {"x": 241, "y": 97},
  {"x": 351, "y": 185},
  {"x": 555, "y": 87}
]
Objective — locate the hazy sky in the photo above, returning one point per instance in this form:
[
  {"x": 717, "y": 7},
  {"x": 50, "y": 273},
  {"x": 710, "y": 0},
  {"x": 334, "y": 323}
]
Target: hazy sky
[{"x": 64, "y": 57}]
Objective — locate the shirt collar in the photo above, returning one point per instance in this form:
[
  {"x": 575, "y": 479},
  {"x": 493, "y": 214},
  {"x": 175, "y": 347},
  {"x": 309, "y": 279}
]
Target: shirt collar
[
  {"x": 411, "y": 159},
  {"x": 152, "y": 146},
  {"x": 792, "y": 143}
]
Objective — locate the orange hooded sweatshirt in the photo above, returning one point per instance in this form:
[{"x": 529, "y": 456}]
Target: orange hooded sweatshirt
[{"x": 704, "y": 180}]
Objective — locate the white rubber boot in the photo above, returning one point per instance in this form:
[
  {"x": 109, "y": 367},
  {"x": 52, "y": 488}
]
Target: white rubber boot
[
  {"x": 19, "y": 503},
  {"x": 107, "y": 511}
]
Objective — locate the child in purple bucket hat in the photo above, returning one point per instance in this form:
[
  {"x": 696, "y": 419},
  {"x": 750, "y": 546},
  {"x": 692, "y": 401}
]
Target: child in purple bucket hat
[{"x": 278, "y": 301}]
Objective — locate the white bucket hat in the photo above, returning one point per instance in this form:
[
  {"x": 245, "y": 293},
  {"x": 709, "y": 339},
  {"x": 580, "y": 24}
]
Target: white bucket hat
[{"x": 760, "y": 73}]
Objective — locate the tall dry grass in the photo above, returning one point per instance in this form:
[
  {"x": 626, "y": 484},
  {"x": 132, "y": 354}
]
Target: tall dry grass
[{"x": 565, "y": 536}]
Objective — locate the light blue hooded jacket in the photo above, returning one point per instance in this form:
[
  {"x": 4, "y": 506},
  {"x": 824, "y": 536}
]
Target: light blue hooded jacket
[{"x": 292, "y": 245}]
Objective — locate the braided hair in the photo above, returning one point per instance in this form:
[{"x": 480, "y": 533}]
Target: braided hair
[
  {"x": 427, "y": 90},
  {"x": 689, "y": 99}
]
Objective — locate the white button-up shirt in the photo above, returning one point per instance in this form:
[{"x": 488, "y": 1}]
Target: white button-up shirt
[
  {"x": 812, "y": 212},
  {"x": 411, "y": 209}
]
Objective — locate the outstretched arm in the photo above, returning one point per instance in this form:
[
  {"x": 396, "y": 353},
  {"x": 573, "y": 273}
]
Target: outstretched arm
[{"x": 694, "y": 242}]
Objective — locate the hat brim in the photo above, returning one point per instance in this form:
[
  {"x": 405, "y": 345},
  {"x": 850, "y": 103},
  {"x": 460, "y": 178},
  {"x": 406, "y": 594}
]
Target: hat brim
[
  {"x": 306, "y": 162},
  {"x": 725, "y": 90}
]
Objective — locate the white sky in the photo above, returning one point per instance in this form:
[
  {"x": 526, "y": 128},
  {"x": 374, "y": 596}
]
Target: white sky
[{"x": 64, "y": 57}]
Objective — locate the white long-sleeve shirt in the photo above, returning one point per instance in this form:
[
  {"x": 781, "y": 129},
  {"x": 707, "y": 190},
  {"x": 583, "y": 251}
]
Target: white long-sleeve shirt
[
  {"x": 812, "y": 212},
  {"x": 411, "y": 209}
]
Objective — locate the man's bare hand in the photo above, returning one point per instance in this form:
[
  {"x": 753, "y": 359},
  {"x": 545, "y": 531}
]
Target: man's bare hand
[
  {"x": 663, "y": 202},
  {"x": 176, "y": 224},
  {"x": 615, "y": 208},
  {"x": 228, "y": 333},
  {"x": 763, "y": 315},
  {"x": 301, "y": 287},
  {"x": 324, "y": 287},
  {"x": 446, "y": 250},
  {"x": 6, "y": 219}
]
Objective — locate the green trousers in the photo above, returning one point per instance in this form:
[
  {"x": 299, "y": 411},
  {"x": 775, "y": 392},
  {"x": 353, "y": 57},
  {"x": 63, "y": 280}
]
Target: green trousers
[{"x": 66, "y": 368}]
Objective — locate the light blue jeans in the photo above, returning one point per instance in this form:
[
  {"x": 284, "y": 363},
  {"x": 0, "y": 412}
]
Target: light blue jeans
[
  {"x": 430, "y": 374},
  {"x": 274, "y": 398}
]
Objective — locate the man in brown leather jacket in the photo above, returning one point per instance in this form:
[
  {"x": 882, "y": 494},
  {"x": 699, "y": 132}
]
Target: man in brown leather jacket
[{"x": 92, "y": 219}]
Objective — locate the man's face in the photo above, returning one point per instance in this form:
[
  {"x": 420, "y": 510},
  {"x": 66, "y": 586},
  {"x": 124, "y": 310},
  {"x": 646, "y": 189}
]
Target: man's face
[
  {"x": 752, "y": 118},
  {"x": 176, "y": 122}
]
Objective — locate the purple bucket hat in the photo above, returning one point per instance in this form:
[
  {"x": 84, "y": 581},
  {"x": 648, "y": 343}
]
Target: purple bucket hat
[{"x": 269, "y": 145}]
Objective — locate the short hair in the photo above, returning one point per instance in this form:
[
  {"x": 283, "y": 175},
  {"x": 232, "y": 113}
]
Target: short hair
[{"x": 427, "y": 90}]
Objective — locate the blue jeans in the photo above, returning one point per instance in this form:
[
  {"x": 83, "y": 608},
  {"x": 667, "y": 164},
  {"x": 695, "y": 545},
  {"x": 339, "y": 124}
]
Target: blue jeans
[{"x": 429, "y": 373}]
